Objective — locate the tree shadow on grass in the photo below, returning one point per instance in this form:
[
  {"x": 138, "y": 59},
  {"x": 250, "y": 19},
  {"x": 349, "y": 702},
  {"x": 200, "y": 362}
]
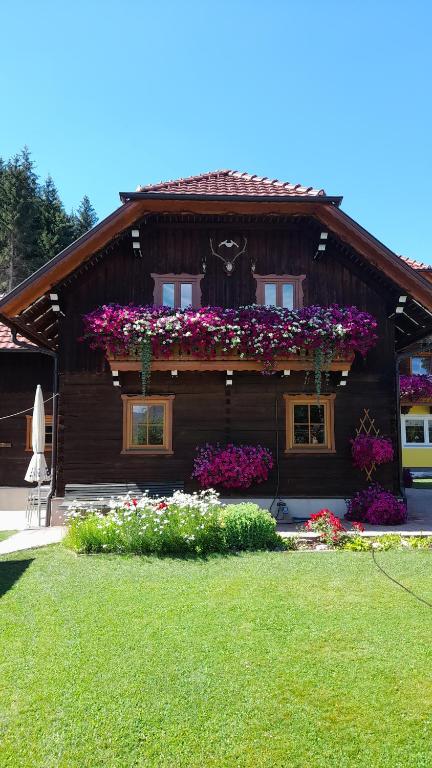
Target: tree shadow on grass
[{"x": 10, "y": 572}]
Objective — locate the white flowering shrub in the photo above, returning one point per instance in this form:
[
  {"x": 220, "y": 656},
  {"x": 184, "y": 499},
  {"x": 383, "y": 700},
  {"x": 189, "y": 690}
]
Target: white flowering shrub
[{"x": 179, "y": 525}]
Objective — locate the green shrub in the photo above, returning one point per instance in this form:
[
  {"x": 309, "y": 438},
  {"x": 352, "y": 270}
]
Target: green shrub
[
  {"x": 289, "y": 542},
  {"x": 389, "y": 541},
  {"x": 357, "y": 543},
  {"x": 419, "y": 542},
  {"x": 246, "y": 526}
]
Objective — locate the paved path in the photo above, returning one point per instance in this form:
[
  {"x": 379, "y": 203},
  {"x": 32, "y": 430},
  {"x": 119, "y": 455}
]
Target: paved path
[
  {"x": 32, "y": 538},
  {"x": 419, "y": 517}
]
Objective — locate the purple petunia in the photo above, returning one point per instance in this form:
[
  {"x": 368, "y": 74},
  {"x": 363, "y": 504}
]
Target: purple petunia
[
  {"x": 256, "y": 332},
  {"x": 232, "y": 466}
]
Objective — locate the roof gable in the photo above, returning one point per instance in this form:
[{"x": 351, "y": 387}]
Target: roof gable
[
  {"x": 227, "y": 182},
  {"x": 161, "y": 199}
]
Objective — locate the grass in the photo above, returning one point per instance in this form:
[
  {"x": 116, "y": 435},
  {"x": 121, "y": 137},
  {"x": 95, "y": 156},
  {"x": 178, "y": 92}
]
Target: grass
[
  {"x": 425, "y": 482},
  {"x": 5, "y": 534},
  {"x": 306, "y": 660}
]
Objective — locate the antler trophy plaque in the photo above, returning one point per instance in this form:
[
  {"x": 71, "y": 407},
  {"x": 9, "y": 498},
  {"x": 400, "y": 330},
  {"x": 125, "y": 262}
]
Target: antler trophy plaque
[{"x": 228, "y": 251}]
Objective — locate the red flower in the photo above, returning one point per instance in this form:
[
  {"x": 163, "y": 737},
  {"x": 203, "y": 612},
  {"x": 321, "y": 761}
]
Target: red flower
[
  {"x": 358, "y": 527},
  {"x": 327, "y": 525}
]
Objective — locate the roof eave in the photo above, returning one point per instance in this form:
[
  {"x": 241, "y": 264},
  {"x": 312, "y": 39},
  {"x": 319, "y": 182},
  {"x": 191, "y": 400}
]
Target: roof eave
[{"x": 325, "y": 199}]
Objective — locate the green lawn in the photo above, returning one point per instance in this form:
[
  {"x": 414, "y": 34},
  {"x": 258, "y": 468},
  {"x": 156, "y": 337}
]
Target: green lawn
[
  {"x": 269, "y": 660},
  {"x": 5, "y": 534},
  {"x": 422, "y": 482}
]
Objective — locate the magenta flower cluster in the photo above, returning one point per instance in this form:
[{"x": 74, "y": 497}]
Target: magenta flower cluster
[
  {"x": 416, "y": 387},
  {"x": 231, "y": 466},
  {"x": 368, "y": 449},
  {"x": 254, "y": 332},
  {"x": 376, "y": 506}
]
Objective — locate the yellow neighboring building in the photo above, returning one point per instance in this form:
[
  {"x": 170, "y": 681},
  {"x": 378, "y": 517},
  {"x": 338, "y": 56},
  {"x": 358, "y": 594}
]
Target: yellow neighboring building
[
  {"x": 416, "y": 419},
  {"x": 417, "y": 437}
]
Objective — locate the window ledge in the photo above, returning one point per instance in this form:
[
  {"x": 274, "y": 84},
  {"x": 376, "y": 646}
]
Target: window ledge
[
  {"x": 306, "y": 451},
  {"x": 139, "y": 452}
]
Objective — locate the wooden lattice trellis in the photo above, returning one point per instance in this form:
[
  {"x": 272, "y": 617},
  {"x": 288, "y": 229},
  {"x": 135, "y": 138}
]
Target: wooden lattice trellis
[{"x": 367, "y": 427}]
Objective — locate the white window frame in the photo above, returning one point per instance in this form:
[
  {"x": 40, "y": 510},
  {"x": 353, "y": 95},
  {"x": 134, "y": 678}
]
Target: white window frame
[{"x": 425, "y": 417}]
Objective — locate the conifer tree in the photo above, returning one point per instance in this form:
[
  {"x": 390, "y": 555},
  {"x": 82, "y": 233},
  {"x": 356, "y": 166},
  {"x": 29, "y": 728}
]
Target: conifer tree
[
  {"x": 85, "y": 217},
  {"x": 34, "y": 225},
  {"x": 20, "y": 221},
  {"x": 57, "y": 227}
]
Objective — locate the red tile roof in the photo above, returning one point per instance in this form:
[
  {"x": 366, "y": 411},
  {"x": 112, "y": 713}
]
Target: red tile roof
[
  {"x": 415, "y": 264},
  {"x": 6, "y": 339},
  {"x": 231, "y": 183}
]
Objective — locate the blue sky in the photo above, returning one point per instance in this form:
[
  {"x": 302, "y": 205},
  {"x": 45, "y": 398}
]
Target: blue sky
[{"x": 334, "y": 93}]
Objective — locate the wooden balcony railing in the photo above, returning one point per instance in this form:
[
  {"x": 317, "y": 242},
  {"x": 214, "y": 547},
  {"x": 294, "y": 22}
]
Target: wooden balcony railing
[{"x": 183, "y": 361}]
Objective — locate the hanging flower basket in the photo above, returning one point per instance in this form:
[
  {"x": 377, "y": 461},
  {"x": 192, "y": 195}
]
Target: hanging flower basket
[
  {"x": 368, "y": 450},
  {"x": 416, "y": 388},
  {"x": 232, "y": 466}
]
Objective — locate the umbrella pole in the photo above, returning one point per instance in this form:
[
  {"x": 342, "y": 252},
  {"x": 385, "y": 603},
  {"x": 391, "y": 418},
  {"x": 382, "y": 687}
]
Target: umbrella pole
[{"x": 39, "y": 503}]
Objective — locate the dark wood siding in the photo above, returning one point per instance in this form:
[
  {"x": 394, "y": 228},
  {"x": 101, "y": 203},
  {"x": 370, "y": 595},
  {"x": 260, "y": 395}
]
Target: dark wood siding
[
  {"x": 204, "y": 409},
  {"x": 20, "y": 372}
]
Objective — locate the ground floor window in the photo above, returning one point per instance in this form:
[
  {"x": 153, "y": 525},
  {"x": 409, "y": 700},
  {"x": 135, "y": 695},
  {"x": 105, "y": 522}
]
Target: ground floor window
[
  {"x": 147, "y": 424},
  {"x": 48, "y": 433},
  {"x": 309, "y": 423},
  {"x": 417, "y": 430}
]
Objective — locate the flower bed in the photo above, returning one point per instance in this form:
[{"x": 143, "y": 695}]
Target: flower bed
[
  {"x": 181, "y": 525},
  {"x": 376, "y": 506},
  {"x": 416, "y": 388},
  {"x": 232, "y": 466},
  {"x": 368, "y": 450}
]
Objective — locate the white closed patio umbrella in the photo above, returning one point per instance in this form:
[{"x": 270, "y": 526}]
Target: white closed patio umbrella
[{"x": 37, "y": 471}]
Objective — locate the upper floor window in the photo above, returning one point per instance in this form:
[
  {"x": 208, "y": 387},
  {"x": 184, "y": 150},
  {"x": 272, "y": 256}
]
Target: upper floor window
[
  {"x": 280, "y": 290},
  {"x": 421, "y": 365},
  {"x": 177, "y": 291}
]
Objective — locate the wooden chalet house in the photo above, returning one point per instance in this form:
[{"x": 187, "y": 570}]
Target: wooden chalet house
[{"x": 226, "y": 240}]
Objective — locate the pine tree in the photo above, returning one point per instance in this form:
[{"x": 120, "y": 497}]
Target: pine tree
[
  {"x": 85, "y": 217},
  {"x": 20, "y": 220},
  {"x": 57, "y": 227},
  {"x": 34, "y": 225}
]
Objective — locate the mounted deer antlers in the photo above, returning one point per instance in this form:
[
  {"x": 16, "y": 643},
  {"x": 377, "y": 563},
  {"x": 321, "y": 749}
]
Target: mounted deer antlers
[{"x": 228, "y": 263}]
